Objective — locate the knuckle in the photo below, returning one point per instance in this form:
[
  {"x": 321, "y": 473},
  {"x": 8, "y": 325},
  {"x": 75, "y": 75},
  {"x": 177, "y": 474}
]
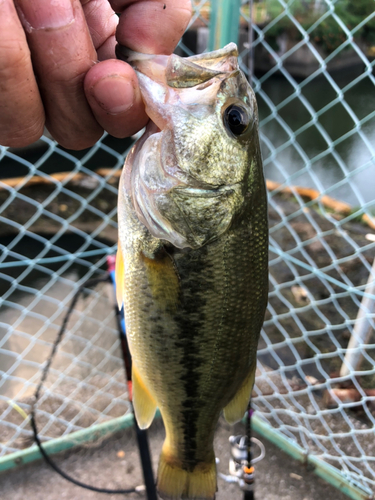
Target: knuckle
[
  {"x": 14, "y": 61},
  {"x": 21, "y": 136},
  {"x": 76, "y": 142},
  {"x": 66, "y": 76}
]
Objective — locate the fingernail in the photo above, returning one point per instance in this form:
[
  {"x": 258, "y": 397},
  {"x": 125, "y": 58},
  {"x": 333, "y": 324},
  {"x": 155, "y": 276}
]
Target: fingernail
[
  {"x": 114, "y": 94},
  {"x": 45, "y": 14}
]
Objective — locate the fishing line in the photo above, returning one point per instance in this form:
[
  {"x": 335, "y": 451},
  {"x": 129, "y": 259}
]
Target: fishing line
[{"x": 47, "y": 458}]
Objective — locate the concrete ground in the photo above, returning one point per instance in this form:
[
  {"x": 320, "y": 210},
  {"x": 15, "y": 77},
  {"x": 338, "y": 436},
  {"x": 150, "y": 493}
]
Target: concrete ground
[{"x": 114, "y": 463}]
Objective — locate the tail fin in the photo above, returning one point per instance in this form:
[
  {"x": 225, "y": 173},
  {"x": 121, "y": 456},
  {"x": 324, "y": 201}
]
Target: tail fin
[{"x": 175, "y": 483}]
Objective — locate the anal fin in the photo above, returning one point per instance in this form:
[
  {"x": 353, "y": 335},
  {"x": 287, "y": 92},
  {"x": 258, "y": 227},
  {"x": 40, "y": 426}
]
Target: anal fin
[
  {"x": 143, "y": 403},
  {"x": 236, "y": 408}
]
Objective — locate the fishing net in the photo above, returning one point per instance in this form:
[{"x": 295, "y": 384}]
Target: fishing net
[
  {"x": 318, "y": 131},
  {"x": 312, "y": 67}
]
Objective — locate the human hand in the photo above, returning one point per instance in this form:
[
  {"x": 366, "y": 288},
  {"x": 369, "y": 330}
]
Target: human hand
[{"x": 49, "y": 69}]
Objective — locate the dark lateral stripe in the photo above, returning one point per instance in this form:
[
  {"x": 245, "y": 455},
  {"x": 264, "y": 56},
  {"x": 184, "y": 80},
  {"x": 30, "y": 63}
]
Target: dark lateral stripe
[{"x": 190, "y": 322}]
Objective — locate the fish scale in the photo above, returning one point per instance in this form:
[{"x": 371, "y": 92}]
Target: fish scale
[{"x": 192, "y": 264}]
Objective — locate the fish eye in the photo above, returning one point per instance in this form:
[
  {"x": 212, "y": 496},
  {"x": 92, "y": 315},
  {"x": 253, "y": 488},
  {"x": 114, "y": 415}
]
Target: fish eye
[{"x": 236, "y": 119}]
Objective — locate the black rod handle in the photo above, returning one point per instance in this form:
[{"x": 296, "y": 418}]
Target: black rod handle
[
  {"x": 144, "y": 452},
  {"x": 248, "y": 495}
]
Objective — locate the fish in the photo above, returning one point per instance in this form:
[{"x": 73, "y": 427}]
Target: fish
[{"x": 192, "y": 260}]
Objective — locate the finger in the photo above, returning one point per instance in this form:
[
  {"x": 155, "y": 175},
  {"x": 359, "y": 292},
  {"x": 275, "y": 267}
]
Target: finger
[
  {"x": 102, "y": 23},
  {"x": 152, "y": 26},
  {"x": 113, "y": 93},
  {"x": 21, "y": 109},
  {"x": 62, "y": 53},
  {"x": 107, "y": 50}
]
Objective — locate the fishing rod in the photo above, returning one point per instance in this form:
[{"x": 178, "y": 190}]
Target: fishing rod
[{"x": 241, "y": 463}]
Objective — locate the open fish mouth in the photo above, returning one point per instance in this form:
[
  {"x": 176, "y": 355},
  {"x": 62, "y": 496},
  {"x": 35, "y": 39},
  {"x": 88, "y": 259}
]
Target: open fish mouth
[
  {"x": 182, "y": 72},
  {"x": 177, "y": 190}
]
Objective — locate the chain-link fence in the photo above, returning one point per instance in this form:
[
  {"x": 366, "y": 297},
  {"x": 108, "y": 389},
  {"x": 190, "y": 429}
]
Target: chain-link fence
[{"x": 312, "y": 65}]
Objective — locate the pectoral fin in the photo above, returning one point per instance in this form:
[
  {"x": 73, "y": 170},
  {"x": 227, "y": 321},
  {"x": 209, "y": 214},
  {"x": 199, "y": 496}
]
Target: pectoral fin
[
  {"x": 235, "y": 410},
  {"x": 143, "y": 403},
  {"x": 164, "y": 280},
  {"x": 120, "y": 277}
]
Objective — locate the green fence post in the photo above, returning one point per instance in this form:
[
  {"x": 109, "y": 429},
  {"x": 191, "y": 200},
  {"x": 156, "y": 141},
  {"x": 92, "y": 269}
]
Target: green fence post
[{"x": 224, "y": 23}]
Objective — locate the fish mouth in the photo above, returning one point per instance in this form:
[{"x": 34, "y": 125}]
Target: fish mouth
[
  {"x": 174, "y": 90},
  {"x": 182, "y": 72},
  {"x": 173, "y": 201}
]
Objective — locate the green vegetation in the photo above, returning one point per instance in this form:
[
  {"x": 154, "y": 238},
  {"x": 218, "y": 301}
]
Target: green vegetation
[{"x": 328, "y": 34}]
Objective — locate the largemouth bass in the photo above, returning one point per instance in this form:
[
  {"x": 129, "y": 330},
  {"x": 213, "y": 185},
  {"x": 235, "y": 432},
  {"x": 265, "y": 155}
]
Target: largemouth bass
[{"x": 192, "y": 262}]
